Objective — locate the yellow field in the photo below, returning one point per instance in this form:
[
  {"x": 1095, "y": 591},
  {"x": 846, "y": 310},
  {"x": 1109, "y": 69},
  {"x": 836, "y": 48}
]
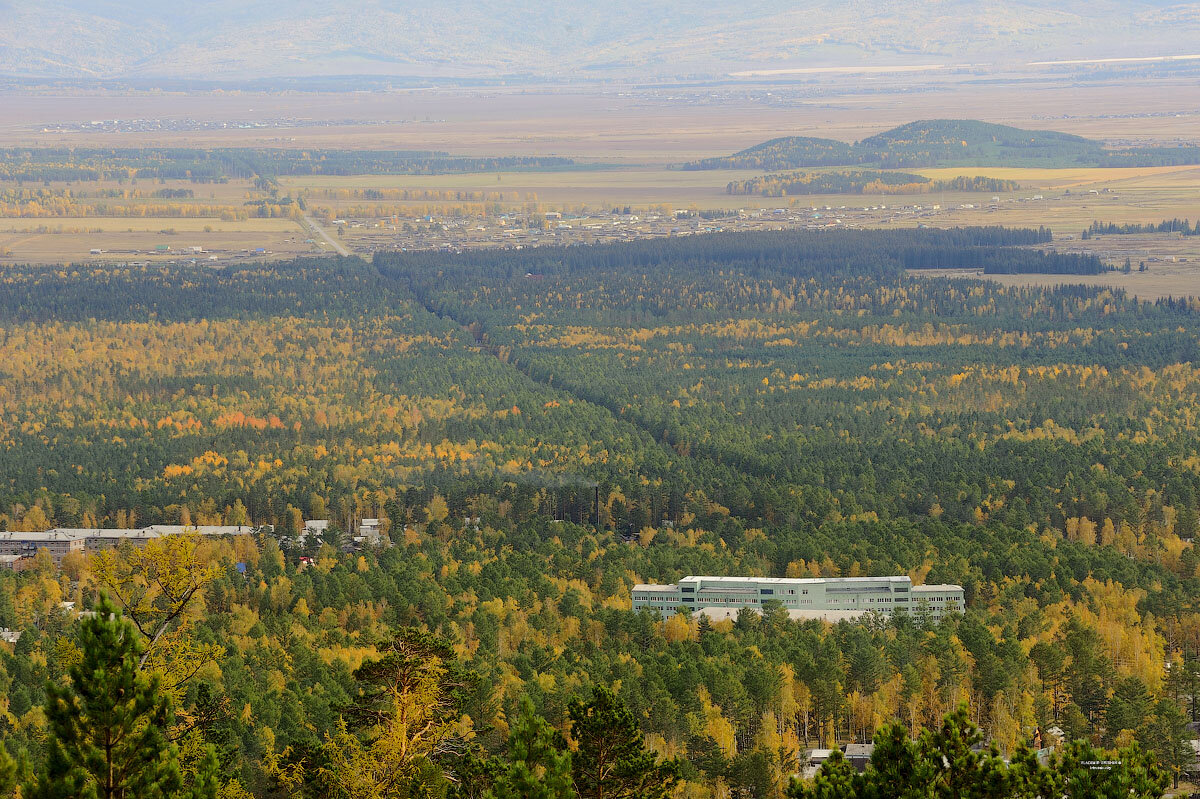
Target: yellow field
[
  {"x": 1154, "y": 190},
  {"x": 638, "y": 186},
  {"x": 605, "y": 178},
  {"x": 1070, "y": 199},
  {"x": 110, "y": 224},
  {"x": 1173, "y": 280},
  {"x": 1068, "y": 177}
]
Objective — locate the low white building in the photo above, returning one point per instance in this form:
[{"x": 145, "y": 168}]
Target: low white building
[
  {"x": 369, "y": 531},
  {"x": 830, "y": 598},
  {"x": 314, "y": 529}
]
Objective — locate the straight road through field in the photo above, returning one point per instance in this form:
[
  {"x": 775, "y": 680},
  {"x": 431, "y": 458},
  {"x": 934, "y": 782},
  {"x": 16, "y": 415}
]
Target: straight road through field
[{"x": 320, "y": 231}]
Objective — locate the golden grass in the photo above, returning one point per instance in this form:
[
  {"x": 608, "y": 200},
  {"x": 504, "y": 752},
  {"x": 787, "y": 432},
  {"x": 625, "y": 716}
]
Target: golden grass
[
  {"x": 1161, "y": 281},
  {"x": 1067, "y": 177},
  {"x": 110, "y": 224}
]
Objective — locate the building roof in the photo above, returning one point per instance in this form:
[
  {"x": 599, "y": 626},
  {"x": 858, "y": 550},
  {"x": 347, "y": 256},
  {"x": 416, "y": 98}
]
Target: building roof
[
  {"x": 136, "y": 532},
  {"x": 57, "y": 534},
  {"x": 200, "y": 529},
  {"x": 654, "y": 587},
  {"x": 937, "y": 587},
  {"x": 153, "y": 531},
  {"x": 798, "y": 580}
]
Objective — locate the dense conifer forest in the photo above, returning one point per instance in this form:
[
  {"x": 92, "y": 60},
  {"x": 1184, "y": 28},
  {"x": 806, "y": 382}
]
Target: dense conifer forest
[{"x": 538, "y": 431}]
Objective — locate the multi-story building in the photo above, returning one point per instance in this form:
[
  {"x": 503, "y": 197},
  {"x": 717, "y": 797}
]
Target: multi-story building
[
  {"x": 831, "y": 598},
  {"x": 26, "y": 545},
  {"x": 16, "y": 563},
  {"x": 61, "y": 540}
]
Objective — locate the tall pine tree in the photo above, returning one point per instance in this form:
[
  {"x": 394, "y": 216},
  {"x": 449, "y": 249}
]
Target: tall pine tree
[
  {"x": 612, "y": 761},
  {"x": 8, "y": 774},
  {"x": 537, "y": 767},
  {"x": 106, "y": 725}
]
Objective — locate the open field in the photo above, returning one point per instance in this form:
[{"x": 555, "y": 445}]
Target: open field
[
  {"x": 625, "y": 137},
  {"x": 1172, "y": 265},
  {"x": 617, "y": 123},
  {"x": 1159, "y": 189},
  {"x": 109, "y": 224},
  {"x": 621, "y": 186},
  {"x": 66, "y": 240},
  {"x": 492, "y": 209},
  {"x": 1163, "y": 280}
]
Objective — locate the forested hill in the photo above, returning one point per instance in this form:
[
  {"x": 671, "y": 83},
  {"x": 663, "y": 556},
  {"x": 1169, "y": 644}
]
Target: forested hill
[{"x": 948, "y": 142}]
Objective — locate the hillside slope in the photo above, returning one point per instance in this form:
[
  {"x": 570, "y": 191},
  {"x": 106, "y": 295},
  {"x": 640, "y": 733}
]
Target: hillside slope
[
  {"x": 947, "y": 142},
  {"x": 225, "y": 38}
]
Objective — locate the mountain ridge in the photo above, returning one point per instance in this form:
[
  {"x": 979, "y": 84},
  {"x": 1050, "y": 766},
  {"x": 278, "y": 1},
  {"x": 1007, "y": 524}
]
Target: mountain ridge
[
  {"x": 946, "y": 142},
  {"x": 227, "y": 39}
]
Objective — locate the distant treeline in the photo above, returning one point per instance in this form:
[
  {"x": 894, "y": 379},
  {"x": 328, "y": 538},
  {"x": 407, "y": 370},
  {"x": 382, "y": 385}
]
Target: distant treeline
[
  {"x": 862, "y": 182},
  {"x": 223, "y": 164},
  {"x": 1166, "y": 226},
  {"x": 883, "y": 254},
  {"x": 948, "y": 142},
  {"x": 976, "y": 183}
]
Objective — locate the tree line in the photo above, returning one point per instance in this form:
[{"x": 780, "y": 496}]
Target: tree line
[{"x": 863, "y": 182}]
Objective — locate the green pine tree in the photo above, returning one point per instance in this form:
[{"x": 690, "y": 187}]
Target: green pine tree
[
  {"x": 1089, "y": 773},
  {"x": 960, "y": 772},
  {"x": 612, "y": 761},
  {"x": 1029, "y": 779},
  {"x": 835, "y": 779},
  {"x": 106, "y": 725},
  {"x": 8, "y": 774},
  {"x": 1128, "y": 709},
  {"x": 897, "y": 770},
  {"x": 1167, "y": 737},
  {"x": 537, "y": 768},
  {"x": 206, "y": 783}
]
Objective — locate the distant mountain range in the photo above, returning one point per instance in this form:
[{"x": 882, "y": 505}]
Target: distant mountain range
[
  {"x": 240, "y": 39},
  {"x": 948, "y": 142}
]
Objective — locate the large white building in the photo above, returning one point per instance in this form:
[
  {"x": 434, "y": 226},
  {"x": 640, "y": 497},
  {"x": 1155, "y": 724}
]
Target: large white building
[{"x": 830, "y": 598}]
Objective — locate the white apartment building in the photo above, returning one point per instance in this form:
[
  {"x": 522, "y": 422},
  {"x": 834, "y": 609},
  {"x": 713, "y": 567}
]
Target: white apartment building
[{"x": 831, "y": 598}]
